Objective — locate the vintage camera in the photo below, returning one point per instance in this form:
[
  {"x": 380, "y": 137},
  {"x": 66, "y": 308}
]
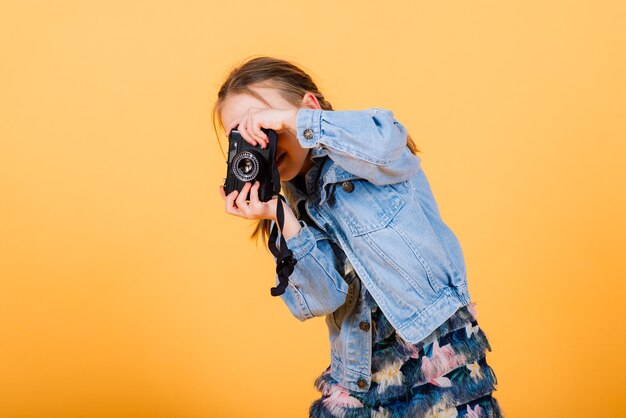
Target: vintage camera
[{"x": 248, "y": 163}]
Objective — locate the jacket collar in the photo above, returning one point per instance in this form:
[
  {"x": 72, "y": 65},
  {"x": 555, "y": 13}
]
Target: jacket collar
[{"x": 318, "y": 179}]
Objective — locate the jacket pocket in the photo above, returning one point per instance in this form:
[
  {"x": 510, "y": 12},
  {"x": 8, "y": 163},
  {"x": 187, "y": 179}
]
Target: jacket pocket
[
  {"x": 365, "y": 207},
  {"x": 336, "y": 318}
]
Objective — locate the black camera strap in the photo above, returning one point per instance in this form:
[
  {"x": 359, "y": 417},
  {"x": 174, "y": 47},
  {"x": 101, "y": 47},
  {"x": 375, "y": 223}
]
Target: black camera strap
[{"x": 285, "y": 261}]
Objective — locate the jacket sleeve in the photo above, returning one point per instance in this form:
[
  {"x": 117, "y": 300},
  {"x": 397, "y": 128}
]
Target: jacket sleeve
[
  {"x": 316, "y": 286},
  {"x": 368, "y": 143}
]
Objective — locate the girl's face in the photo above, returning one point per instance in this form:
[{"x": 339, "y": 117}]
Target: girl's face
[{"x": 296, "y": 160}]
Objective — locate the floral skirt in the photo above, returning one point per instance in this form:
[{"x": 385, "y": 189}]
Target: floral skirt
[{"x": 444, "y": 375}]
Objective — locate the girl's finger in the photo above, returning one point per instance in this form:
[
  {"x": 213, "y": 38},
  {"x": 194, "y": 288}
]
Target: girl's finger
[
  {"x": 231, "y": 127},
  {"x": 222, "y": 191},
  {"x": 243, "y": 130},
  {"x": 250, "y": 130},
  {"x": 253, "y": 134},
  {"x": 230, "y": 206},
  {"x": 255, "y": 126},
  {"x": 241, "y": 199},
  {"x": 260, "y": 134},
  {"x": 254, "y": 194}
]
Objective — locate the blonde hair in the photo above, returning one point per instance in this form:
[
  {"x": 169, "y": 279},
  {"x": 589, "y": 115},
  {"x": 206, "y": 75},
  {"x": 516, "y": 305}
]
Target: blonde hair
[{"x": 290, "y": 80}]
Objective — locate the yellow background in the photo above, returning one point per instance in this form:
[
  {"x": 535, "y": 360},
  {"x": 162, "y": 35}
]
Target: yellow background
[{"x": 127, "y": 291}]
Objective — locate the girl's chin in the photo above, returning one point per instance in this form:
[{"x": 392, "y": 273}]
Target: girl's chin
[
  {"x": 285, "y": 172},
  {"x": 281, "y": 159},
  {"x": 280, "y": 163}
]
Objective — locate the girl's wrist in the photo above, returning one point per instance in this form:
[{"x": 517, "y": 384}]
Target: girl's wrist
[
  {"x": 291, "y": 225},
  {"x": 291, "y": 121}
]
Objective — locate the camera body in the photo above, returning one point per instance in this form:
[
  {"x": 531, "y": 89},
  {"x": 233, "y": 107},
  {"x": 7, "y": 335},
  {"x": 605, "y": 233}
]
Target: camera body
[{"x": 248, "y": 163}]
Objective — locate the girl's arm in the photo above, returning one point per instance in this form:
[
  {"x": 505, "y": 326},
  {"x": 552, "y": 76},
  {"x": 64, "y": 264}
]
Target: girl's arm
[
  {"x": 316, "y": 288},
  {"x": 369, "y": 143}
]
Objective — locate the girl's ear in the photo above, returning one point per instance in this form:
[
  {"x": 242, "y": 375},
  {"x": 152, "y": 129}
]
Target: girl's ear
[{"x": 310, "y": 101}]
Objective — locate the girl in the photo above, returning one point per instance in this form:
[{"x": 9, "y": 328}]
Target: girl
[{"x": 373, "y": 255}]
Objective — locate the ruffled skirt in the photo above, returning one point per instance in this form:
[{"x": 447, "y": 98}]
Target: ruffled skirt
[{"x": 444, "y": 375}]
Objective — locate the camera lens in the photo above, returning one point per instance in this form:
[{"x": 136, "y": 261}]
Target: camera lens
[{"x": 246, "y": 166}]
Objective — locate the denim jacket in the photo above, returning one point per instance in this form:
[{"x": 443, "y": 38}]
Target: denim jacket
[{"x": 369, "y": 221}]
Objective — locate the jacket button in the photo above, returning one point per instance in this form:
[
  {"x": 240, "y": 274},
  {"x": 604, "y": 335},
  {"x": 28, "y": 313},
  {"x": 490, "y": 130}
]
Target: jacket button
[
  {"x": 364, "y": 325},
  {"x": 308, "y": 133},
  {"x": 362, "y": 383},
  {"x": 347, "y": 186}
]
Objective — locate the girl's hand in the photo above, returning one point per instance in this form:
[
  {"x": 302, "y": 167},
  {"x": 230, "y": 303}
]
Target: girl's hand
[
  {"x": 256, "y": 118},
  {"x": 236, "y": 203}
]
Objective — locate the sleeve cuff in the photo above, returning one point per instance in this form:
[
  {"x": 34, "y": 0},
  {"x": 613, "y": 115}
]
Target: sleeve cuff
[
  {"x": 301, "y": 243},
  {"x": 309, "y": 127}
]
